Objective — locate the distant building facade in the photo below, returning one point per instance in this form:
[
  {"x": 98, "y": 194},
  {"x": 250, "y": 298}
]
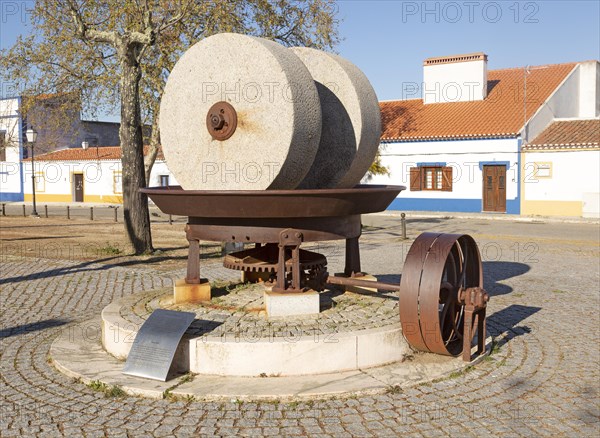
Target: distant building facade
[
  {"x": 561, "y": 170},
  {"x": 461, "y": 147},
  {"x": 85, "y": 175},
  {"x": 56, "y": 119}
]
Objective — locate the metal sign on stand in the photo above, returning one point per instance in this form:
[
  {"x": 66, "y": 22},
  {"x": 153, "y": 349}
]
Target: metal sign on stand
[{"x": 155, "y": 344}]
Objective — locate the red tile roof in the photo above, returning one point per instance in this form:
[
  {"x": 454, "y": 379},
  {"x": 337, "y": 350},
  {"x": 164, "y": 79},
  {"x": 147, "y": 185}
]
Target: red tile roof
[
  {"x": 90, "y": 154},
  {"x": 569, "y": 134},
  {"x": 500, "y": 114}
]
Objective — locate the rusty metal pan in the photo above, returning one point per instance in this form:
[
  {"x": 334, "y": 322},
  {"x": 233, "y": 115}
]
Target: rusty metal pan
[{"x": 361, "y": 199}]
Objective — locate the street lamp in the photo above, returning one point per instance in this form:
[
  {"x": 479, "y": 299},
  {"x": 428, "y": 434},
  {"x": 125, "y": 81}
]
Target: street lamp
[{"x": 31, "y": 138}]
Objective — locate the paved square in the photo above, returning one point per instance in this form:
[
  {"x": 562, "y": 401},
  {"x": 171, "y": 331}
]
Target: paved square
[{"x": 544, "y": 378}]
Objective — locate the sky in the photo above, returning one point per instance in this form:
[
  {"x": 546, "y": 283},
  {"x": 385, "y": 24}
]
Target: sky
[{"x": 389, "y": 40}]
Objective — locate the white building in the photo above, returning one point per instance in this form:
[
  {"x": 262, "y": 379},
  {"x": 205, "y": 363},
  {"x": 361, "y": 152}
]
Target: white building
[
  {"x": 458, "y": 147},
  {"x": 561, "y": 170},
  {"x": 11, "y": 150},
  {"x": 57, "y": 120},
  {"x": 85, "y": 175}
]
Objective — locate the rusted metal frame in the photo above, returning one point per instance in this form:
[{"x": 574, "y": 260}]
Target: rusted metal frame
[
  {"x": 289, "y": 239},
  {"x": 267, "y": 230},
  {"x": 475, "y": 301},
  {"x": 352, "y": 266},
  {"x": 193, "y": 261},
  {"x": 353, "y": 281}
]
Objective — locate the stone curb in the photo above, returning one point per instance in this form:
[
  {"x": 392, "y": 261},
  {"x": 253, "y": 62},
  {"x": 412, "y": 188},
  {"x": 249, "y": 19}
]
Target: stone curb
[
  {"x": 84, "y": 359},
  {"x": 215, "y": 355}
]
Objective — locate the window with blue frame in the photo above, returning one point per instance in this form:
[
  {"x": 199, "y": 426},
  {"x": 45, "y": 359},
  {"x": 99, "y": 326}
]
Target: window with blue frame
[{"x": 433, "y": 178}]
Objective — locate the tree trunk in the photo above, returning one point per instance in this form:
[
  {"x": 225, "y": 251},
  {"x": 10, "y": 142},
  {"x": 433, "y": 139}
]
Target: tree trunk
[
  {"x": 135, "y": 204},
  {"x": 150, "y": 157}
]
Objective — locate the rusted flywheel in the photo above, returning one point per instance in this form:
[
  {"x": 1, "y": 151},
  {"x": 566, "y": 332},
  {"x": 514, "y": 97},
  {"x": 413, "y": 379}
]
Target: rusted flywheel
[{"x": 440, "y": 271}]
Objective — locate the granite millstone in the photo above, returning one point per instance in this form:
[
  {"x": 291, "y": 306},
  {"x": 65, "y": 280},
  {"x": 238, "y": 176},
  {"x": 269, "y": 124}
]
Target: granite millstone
[
  {"x": 351, "y": 121},
  {"x": 278, "y": 115}
]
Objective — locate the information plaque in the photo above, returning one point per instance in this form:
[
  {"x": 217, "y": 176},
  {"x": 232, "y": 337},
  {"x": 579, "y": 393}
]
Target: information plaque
[{"x": 155, "y": 344}]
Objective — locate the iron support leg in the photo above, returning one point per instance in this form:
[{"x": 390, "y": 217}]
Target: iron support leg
[
  {"x": 352, "y": 257},
  {"x": 193, "y": 263},
  {"x": 289, "y": 239},
  {"x": 481, "y": 335}
]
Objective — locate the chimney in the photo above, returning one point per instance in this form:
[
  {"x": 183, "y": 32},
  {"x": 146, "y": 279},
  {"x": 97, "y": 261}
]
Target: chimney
[
  {"x": 589, "y": 89},
  {"x": 85, "y": 145},
  {"x": 459, "y": 78}
]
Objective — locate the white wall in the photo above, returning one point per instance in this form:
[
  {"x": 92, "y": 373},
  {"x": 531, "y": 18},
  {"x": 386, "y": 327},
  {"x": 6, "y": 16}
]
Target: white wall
[
  {"x": 463, "y": 156},
  {"x": 589, "y": 89},
  {"x": 10, "y": 177},
  {"x": 577, "y": 97},
  {"x": 98, "y": 178},
  {"x": 564, "y": 103},
  {"x": 58, "y": 177},
  {"x": 160, "y": 168},
  {"x": 455, "y": 82},
  {"x": 574, "y": 173}
]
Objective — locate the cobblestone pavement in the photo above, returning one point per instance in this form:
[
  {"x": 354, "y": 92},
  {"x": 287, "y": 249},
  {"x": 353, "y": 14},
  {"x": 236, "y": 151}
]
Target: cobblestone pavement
[
  {"x": 239, "y": 310},
  {"x": 542, "y": 380}
]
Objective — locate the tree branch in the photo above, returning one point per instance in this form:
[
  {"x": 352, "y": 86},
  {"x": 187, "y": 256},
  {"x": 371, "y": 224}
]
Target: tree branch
[
  {"x": 89, "y": 34},
  {"x": 175, "y": 19}
]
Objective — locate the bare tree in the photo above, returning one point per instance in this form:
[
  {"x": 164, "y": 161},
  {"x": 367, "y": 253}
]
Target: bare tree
[{"x": 121, "y": 51}]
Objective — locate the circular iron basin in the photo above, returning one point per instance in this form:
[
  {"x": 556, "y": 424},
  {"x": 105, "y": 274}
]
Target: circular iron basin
[{"x": 361, "y": 199}]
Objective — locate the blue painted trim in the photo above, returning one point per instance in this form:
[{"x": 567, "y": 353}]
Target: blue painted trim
[
  {"x": 438, "y": 204},
  {"x": 513, "y": 206},
  {"x": 11, "y": 197},
  {"x": 494, "y": 163},
  {"x": 432, "y": 164},
  {"x": 448, "y": 204},
  {"x": 519, "y": 143}
]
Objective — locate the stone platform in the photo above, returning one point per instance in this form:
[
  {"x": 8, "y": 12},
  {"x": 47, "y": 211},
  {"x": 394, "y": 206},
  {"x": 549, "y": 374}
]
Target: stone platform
[
  {"x": 232, "y": 349},
  {"x": 78, "y": 353},
  {"x": 232, "y": 335}
]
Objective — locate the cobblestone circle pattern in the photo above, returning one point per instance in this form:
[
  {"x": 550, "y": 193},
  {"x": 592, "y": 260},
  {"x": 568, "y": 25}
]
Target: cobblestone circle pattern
[
  {"x": 239, "y": 310},
  {"x": 541, "y": 381}
]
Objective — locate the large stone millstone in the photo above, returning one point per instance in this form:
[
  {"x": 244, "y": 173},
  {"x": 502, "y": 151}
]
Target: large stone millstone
[
  {"x": 276, "y": 104},
  {"x": 351, "y": 124}
]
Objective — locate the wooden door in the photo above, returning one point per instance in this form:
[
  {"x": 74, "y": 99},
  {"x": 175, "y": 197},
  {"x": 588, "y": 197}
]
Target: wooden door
[
  {"x": 494, "y": 188},
  {"x": 78, "y": 185}
]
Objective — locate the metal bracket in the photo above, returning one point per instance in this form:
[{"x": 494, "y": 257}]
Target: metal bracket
[
  {"x": 475, "y": 300},
  {"x": 192, "y": 275},
  {"x": 289, "y": 239}
]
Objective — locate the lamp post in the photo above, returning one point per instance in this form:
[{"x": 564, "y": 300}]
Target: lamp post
[{"x": 31, "y": 138}]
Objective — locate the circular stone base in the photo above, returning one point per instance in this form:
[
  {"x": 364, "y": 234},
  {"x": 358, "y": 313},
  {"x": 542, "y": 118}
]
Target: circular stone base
[
  {"x": 78, "y": 353},
  {"x": 232, "y": 335}
]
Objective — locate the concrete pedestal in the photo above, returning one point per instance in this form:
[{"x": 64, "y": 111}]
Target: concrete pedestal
[
  {"x": 191, "y": 293},
  {"x": 287, "y": 304}
]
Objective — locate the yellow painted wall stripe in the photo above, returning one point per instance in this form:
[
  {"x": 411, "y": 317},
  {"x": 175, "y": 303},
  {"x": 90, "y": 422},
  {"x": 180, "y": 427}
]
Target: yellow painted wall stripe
[
  {"x": 43, "y": 197},
  {"x": 552, "y": 208}
]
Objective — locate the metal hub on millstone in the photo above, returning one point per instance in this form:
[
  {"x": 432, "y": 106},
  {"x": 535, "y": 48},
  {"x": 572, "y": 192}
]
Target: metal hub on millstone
[{"x": 221, "y": 121}]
